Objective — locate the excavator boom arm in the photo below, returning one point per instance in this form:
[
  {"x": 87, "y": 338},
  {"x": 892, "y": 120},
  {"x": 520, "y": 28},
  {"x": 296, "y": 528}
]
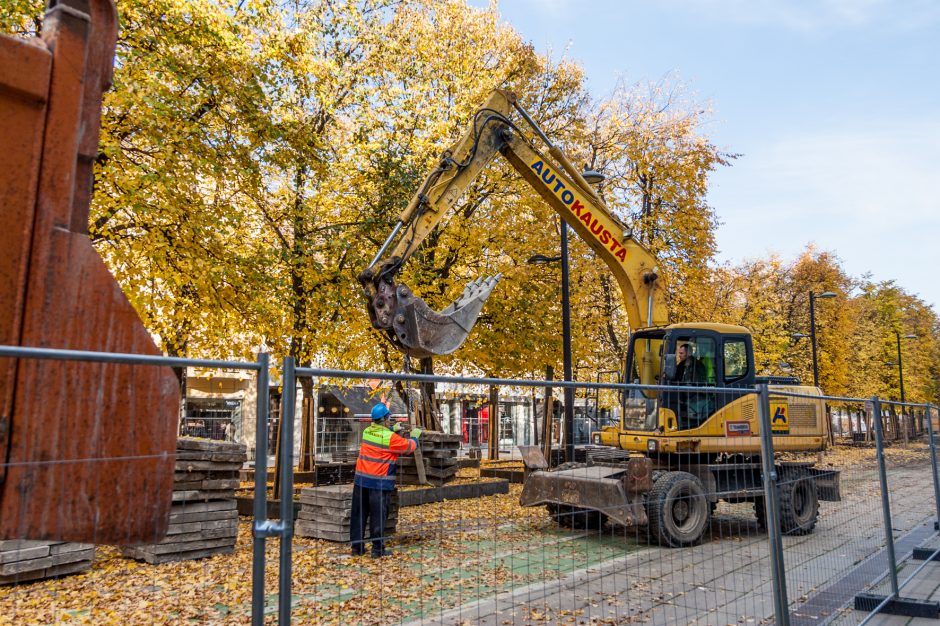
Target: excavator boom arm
[
  {"x": 632, "y": 264},
  {"x": 417, "y": 330}
]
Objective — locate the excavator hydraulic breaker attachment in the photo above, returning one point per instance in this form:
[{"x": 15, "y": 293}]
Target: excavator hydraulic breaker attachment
[
  {"x": 615, "y": 491},
  {"x": 87, "y": 450},
  {"x": 415, "y": 328}
]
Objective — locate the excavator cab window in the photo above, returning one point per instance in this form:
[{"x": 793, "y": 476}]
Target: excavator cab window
[
  {"x": 735, "y": 359},
  {"x": 644, "y": 367},
  {"x": 696, "y": 364},
  {"x": 695, "y": 361}
]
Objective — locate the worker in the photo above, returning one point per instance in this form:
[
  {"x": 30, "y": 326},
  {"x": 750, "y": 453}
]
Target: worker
[
  {"x": 375, "y": 480},
  {"x": 689, "y": 369}
]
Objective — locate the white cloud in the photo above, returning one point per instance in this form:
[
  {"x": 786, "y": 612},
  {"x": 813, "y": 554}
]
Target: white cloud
[
  {"x": 815, "y": 15},
  {"x": 887, "y": 173},
  {"x": 869, "y": 194}
]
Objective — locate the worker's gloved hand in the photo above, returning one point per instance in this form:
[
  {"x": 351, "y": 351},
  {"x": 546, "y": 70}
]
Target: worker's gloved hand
[
  {"x": 396, "y": 427},
  {"x": 416, "y": 432}
]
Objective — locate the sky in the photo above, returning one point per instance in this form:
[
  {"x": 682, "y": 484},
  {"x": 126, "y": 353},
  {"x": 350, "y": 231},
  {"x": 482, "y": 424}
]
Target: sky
[{"x": 833, "y": 105}]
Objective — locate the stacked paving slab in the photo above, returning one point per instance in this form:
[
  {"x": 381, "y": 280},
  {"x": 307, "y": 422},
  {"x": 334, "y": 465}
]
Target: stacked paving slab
[
  {"x": 26, "y": 560},
  {"x": 203, "y": 518},
  {"x": 325, "y": 513},
  {"x": 440, "y": 459}
]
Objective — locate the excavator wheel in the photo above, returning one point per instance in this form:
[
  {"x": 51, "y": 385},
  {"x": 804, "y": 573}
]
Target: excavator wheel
[
  {"x": 678, "y": 510},
  {"x": 799, "y": 506}
]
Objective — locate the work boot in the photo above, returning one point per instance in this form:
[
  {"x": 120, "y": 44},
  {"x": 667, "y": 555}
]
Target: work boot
[{"x": 379, "y": 555}]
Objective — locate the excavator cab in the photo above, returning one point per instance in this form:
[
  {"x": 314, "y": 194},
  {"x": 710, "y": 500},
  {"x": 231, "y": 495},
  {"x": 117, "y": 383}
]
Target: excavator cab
[{"x": 685, "y": 355}]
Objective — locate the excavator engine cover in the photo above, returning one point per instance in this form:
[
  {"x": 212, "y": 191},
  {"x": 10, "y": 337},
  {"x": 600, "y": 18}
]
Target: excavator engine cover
[
  {"x": 87, "y": 450},
  {"x": 414, "y": 327}
]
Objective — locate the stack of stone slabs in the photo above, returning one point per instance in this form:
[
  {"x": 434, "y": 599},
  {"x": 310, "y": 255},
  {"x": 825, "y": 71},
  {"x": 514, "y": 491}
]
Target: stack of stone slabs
[
  {"x": 325, "y": 513},
  {"x": 439, "y": 451},
  {"x": 203, "y": 518},
  {"x": 24, "y": 560}
]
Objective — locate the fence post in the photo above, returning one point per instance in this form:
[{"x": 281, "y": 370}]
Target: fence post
[
  {"x": 288, "y": 396},
  {"x": 261, "y": 484},
  {"x": 928, "y": 414},
  {"x": 885, "y": 502},
  {"x": 493, "y": 425},
  {"x": 772, "y": 507}
]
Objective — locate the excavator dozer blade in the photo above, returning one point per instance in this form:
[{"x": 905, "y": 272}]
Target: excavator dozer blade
[
  {"x": 615, "y": 491},
  {"x": 421, "y": 332}
]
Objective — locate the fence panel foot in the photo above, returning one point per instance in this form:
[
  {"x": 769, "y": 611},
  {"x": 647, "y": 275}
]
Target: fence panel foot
[{"x": 908, "y": 607}]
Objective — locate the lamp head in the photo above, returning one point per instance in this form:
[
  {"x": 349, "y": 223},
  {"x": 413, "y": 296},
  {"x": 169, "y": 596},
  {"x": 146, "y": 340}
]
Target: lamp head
[
  {"x": 592, "y": 177},
  {"x": 540, "y": 259}
]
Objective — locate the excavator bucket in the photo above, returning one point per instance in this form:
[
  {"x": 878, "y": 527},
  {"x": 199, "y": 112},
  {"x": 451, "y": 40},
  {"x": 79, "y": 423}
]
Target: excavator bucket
[
  {"x": 418, "y": 330},
  {"x": 87, "y": 450}
]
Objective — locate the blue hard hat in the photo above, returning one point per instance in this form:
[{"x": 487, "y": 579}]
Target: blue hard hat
[{"x": 379, "y": 412}]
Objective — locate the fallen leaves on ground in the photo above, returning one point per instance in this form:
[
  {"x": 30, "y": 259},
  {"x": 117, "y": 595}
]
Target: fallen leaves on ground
[{"x": 444, "y": 555}]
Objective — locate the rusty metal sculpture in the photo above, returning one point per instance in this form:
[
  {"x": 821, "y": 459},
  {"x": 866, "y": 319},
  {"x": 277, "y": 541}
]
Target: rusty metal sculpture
[{"x": 86, "y": 449}]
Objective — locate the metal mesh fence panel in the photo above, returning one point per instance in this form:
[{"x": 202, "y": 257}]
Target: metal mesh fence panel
[
  {"x": 465, "y": 550},
  {"x": 847, "y": 558},
  {"x": 910, "y": 498},
  {"x": 197, "y": 573},
  {"x": 659, "y": 517}
]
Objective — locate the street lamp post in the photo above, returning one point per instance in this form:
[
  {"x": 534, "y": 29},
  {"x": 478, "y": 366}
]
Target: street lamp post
[
  {"x": 812, "y": 329},
  {"x": 901, "y": 364},
  {"x": 566, "y": 343},
  {"x": 568, "y": 441},
  {"x": 591, "y": 177}
]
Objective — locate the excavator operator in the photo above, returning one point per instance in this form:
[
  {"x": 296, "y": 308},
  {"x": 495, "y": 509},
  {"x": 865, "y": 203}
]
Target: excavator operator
[{"x": 688, "y": 369}]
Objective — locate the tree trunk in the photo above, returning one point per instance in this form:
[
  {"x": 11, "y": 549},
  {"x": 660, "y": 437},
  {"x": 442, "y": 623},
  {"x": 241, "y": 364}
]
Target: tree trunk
[
  {"x": 308, "y": 437},
  {"x": 277, "y": 460},
  {"x": 535, "y": 420},
  {"x": 429, "y": 414}
]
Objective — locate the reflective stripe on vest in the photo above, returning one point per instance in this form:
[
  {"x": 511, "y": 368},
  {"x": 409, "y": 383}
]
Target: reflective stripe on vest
[
  {"x": 375, "y": 460},
  {"x": 390, "y": 479}
]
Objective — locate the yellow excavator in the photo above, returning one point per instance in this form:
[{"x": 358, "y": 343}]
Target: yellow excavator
[{"x": 676, "y": 451}]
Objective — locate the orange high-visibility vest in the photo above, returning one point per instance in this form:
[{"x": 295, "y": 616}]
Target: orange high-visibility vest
[{"x": 378, "y": 457}]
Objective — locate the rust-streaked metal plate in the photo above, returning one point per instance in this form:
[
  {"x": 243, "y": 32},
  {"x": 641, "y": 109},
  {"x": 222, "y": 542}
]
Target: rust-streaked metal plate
[
  {"x": 24, "y": 82},
  {"x": 90, "y": 448}
]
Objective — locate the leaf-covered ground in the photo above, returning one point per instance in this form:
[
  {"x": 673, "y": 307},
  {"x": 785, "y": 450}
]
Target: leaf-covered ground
[{"x": 445, "y": 555}]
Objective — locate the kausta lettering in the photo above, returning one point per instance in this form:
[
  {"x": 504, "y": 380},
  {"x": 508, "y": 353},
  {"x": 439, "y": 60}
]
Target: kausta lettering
[{"x": 577, "y": 208}]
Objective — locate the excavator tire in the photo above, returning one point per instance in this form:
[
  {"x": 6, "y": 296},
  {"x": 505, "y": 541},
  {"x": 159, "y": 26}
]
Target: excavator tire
[
  {"x": 568, "y": 516},
  {"x": 678, "y": 510},
  {"x": 760, "y": 512},
  {"x": 799, "y": 506}
]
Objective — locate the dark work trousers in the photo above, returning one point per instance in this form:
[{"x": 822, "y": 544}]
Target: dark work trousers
[{"x": 372, "y": 504}]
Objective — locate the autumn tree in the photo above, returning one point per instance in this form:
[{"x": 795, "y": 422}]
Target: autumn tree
[{"x": 648, "y": 141}]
